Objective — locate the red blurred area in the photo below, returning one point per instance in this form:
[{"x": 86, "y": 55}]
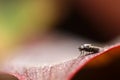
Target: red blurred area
[{"x": 103, "y": 15}]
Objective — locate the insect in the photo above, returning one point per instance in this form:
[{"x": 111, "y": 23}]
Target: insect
[{"x": 87, "y": 49}]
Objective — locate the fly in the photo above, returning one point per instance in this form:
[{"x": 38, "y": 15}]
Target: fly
[{"x": 87, "y": 49}]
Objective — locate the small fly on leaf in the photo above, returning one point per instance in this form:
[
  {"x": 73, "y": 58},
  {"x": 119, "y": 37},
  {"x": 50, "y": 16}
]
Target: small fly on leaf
[{"x": 88, "y": 49}]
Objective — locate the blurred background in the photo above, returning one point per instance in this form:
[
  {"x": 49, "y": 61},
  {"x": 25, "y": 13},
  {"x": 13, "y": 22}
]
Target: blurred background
[
  {"x": 94, "y": 19},
  {"x": 57, "y": 26},
  {"x": 22, "y": 21}
]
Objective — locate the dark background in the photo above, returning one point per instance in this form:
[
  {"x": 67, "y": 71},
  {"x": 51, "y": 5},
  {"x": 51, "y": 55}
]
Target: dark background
[{"x": 98, "y": 20}]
